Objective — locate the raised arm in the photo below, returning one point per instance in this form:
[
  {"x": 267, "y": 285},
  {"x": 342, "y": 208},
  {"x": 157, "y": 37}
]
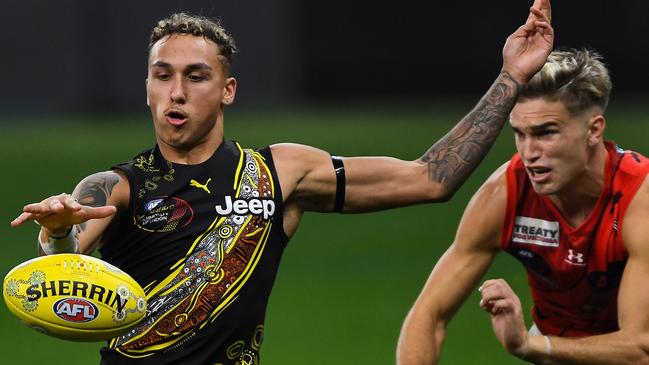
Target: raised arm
[
  {"x": 630, "y": 344},
  {"x": 75, "y": 223},
  {"x": 374, "y": 183},
  {"x": 452, "y": 159},
  {"x": 455, "y": 275}
]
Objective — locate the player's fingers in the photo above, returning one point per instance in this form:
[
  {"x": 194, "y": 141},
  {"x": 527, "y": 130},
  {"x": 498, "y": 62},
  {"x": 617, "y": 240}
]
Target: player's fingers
[
  {"x": 544, "y": 28},
  {"x": 70, "y": 202},
  {"x": 546, "y": 9},
  {"x": 500, "y": 306},
  {"x": 495, "y": 289},
  {"x": 56, "y": 205},
  {"x": 539, "y": 15},
  {"x": 37, "y": 208},
  {"x": 490, "y": 283},
  {"x": 98, "y": 212},
  {"x": 22, "y": 218}
]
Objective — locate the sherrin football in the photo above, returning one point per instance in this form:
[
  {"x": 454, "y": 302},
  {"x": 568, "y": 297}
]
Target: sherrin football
[{"x": 74, "y": 297}]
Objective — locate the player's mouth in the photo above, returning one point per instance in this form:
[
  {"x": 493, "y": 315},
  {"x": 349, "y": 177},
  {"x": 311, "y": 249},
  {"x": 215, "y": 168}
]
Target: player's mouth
[
  {"x": 539, "y": 174},
  {"x": 176, "y": 117}
]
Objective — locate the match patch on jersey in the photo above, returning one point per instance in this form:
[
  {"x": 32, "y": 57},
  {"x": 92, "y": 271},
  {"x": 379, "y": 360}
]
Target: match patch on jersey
[
  {"x": 163, "y": 214},
  {"x": 536, "y": 231}
]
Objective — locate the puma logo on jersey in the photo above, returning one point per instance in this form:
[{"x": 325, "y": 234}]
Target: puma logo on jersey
[
  {"x": 265, "y": 207},
  {"x": 196, "y": 184},
  {"x": 536, "y": 231}
]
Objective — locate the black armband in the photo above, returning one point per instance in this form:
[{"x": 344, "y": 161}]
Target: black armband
[{"x": 339, "y": 169}]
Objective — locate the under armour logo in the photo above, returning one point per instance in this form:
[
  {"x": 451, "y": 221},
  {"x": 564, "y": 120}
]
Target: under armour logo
[
  {"x": 196, "y": 184},
  {"x": 575, "y": 258}
]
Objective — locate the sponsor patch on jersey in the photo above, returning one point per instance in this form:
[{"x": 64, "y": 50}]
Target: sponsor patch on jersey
[
  {"x": 76, "y": 310},
  {"x": 254, "y": 206},
  {"x": 164, "y": 214},
  {"x": 536, "y": 231}
]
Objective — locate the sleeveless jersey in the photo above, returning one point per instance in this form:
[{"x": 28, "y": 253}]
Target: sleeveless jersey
[
  {"x": 204, "y": 241},
  {"x": 574, "y": 272}
]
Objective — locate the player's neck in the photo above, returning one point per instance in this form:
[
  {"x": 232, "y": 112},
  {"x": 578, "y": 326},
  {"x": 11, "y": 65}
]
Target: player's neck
[
  {"x": 195, "y": 154},
  {"x": 578, "y": 199}
]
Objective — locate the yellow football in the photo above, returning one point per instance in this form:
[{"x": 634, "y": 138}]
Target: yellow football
[{"x": 74, "y": 297}]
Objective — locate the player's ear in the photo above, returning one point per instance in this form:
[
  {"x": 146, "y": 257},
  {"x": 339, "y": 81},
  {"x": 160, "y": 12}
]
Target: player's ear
[
  {"x": 229, "y": 91},
  {"x": 596, "y": 127},
  {"x": 146, "y": 86}
]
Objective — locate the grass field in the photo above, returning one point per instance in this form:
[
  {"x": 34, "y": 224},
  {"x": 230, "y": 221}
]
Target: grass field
[{"x": 346, "y": 281}]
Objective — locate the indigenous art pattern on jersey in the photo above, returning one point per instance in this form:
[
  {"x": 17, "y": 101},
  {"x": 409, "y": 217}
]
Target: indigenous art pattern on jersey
[{"x": 216, "y": 267}]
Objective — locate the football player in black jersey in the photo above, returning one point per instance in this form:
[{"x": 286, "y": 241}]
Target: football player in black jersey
[{"x": 188, "y": 87}]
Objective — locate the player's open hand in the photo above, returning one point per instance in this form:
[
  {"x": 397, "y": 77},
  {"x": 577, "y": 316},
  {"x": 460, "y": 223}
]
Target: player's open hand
[
  {"x": 504, "y": 306},
  {"x": 61, "y": 211},
  {"x": 527, "y": 49}
]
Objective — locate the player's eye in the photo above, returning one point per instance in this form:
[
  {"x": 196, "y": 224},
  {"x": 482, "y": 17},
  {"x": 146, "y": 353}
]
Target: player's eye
[
  {"x": 518, "y": 135},
  {"x": 196, "y": 77},
  {"x": 163, "y": 76},
  {"x": 547, "y": 133}
]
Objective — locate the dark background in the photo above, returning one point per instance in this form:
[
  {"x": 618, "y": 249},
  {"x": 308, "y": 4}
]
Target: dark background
[{"x": 74, "y": 56}]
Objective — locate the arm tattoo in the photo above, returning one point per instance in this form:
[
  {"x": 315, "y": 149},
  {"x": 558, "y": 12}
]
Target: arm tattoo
[
  {"x": 95, "y": 190},
  {"x": 452, "y": 159}
]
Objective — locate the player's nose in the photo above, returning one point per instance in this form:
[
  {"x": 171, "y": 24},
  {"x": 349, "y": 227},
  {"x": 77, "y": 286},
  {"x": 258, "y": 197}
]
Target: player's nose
[{"x": 178, "y": 93}]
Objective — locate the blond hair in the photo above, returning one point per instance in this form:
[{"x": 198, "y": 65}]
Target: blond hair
[
  {"x": 184, "y": 23},
  {"x": 577, "y": 78}
]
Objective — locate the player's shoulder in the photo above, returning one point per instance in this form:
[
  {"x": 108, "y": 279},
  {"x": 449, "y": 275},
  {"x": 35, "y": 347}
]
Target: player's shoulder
[
  {"x": 492, "y": 195},
  {"x": 295, "y": 150},
  {"x": 298, "y": 157},
  {"x": 112, "y": 186},
  {"x": 498, "y": 179}
]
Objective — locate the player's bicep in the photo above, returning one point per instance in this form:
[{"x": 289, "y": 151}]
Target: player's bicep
[
  {"x": 98, "y": 190},
  {"x": 375, "y": 183},
  {"x": 306, "y": 176},
  {"x": 632, "y": 294}
]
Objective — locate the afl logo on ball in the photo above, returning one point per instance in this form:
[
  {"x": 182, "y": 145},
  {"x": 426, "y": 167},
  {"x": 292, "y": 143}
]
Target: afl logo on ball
[{"x": 76, "y": 310}]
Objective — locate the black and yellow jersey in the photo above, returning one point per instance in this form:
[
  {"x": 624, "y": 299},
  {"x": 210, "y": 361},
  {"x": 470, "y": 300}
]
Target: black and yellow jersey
[{"x": 205, "y": 242}]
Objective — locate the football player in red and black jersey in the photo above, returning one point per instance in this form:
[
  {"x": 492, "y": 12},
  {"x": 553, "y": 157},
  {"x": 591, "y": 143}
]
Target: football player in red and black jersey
[{"x": 572, "y": 208}]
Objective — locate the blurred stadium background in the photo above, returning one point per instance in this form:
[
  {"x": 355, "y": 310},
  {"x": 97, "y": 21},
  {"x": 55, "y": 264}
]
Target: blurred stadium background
[{"x": 354, "y": 78}]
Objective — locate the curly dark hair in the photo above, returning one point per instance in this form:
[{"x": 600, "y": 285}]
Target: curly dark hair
[{"x": 184, "y": 23}]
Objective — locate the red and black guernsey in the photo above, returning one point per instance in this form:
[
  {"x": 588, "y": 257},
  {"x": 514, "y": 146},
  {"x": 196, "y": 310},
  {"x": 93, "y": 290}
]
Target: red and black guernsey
[
  {"x": 574, "y": 272},
  {"x": 205, "y": 242}
]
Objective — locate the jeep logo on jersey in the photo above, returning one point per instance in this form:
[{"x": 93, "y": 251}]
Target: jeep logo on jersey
[
  {"x": 265, "y": 207},
  {"x": 536, "y": 231},
  {"x": 75, "y": 310}
]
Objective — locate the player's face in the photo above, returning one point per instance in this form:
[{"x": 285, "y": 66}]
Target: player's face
[
  {"x": 554, "y": 145},
  {"x": 187, "y": 88}
]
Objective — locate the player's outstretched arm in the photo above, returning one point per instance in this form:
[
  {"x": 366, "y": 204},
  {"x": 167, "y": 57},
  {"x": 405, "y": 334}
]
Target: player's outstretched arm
[
  {"x": 373, "y": 183},
  {"x": 630, "y": 344},
  {"x": 76, "y": 222},
  {"x": 455, "y": 275}
]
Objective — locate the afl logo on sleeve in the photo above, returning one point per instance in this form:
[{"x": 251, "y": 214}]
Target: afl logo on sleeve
[
  {"x": 164, "y": 214},
  {"x": 536, "y": 231}
]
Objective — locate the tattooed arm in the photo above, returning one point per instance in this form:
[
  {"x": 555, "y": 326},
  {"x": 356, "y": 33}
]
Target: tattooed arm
[
  {"x": 86, "y": 213},
  {"x": 307, "y": 175},
  {"x": 452, "y": 159}
]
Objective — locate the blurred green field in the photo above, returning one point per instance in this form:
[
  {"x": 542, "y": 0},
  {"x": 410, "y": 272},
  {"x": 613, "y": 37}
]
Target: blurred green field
[{"x": 346, "y": 281}]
